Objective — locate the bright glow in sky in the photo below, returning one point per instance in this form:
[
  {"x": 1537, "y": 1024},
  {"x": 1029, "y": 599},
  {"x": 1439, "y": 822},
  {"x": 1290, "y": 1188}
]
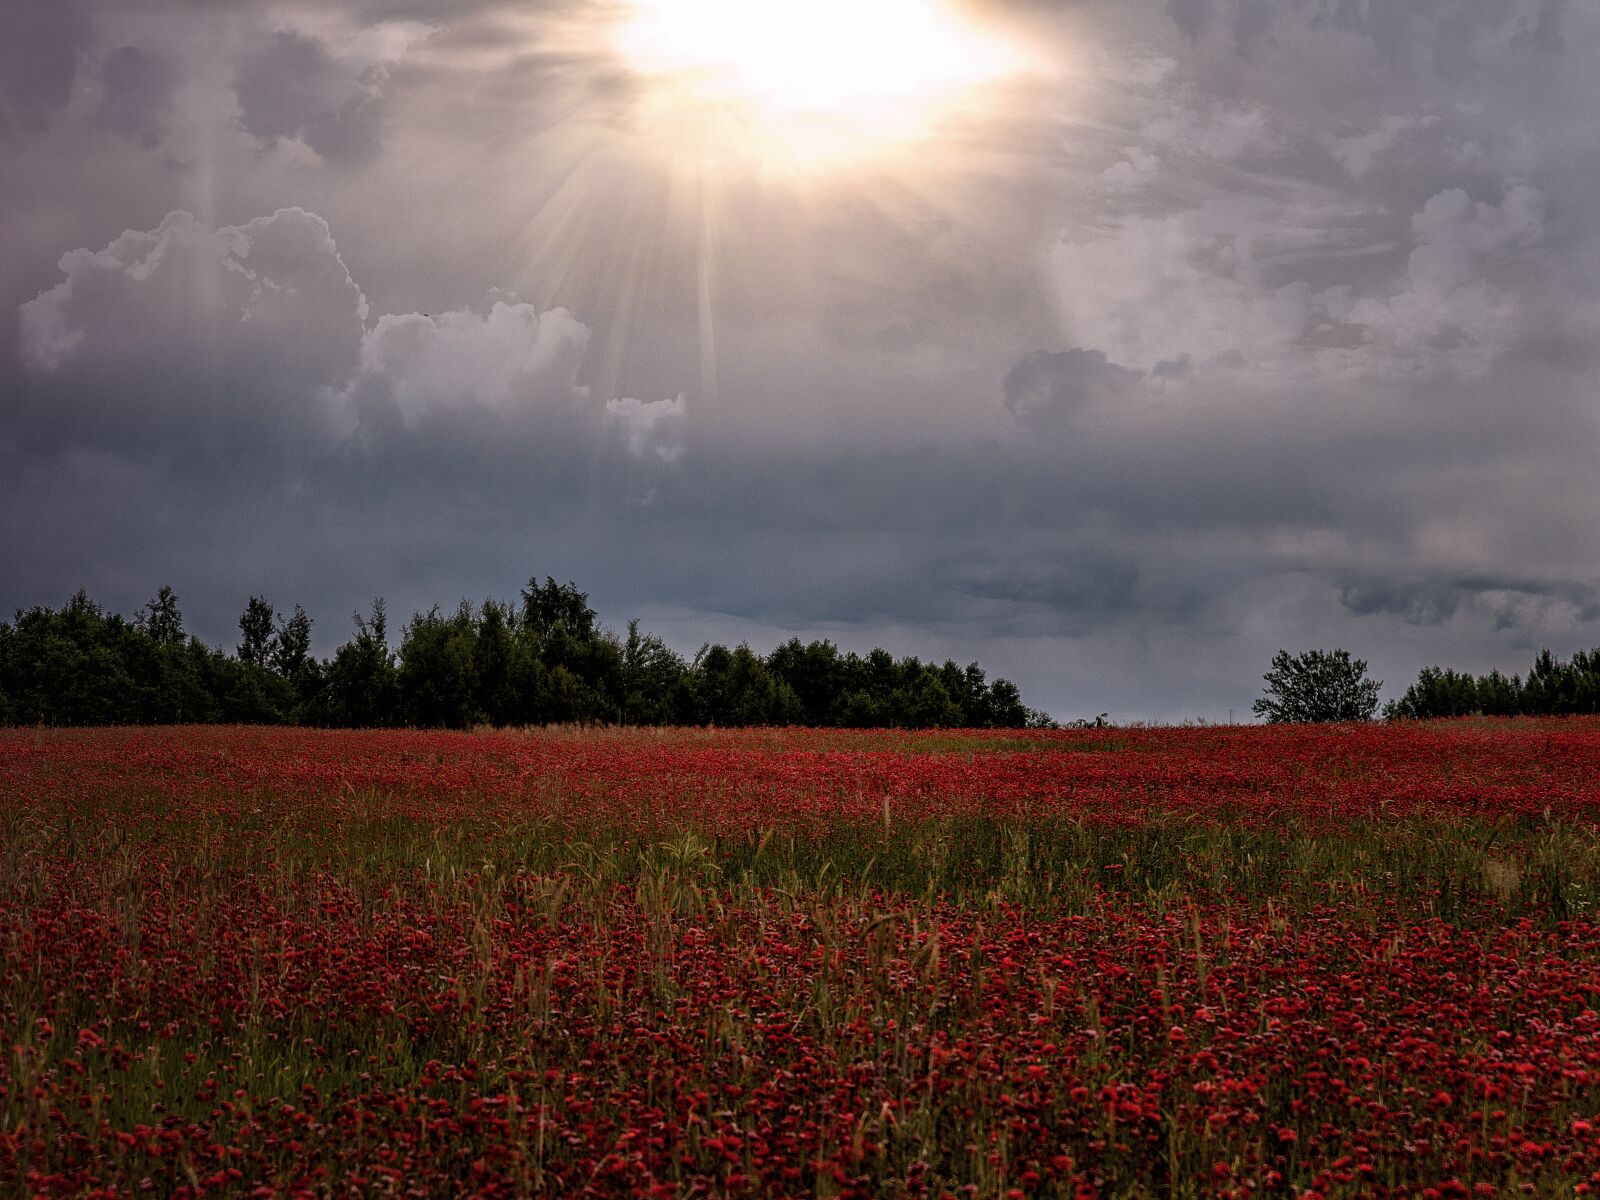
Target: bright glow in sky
[{"x": 811, "y": 82}]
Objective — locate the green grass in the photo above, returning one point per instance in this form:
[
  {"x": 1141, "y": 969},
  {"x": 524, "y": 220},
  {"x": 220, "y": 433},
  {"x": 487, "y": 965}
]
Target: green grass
[{"x": 1468, "y": 871}]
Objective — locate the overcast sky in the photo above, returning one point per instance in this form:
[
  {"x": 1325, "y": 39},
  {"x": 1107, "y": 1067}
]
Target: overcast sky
[{"x": 1223, "y": 326}]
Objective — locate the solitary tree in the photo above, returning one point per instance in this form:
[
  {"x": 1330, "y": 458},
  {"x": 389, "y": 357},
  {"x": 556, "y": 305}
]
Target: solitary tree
[{"x": 1319, "y": 685}]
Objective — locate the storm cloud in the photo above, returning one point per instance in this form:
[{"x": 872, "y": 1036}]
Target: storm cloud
[
  {"x": 39, "y": 60},
  {"x": 1261, "y": 323}
]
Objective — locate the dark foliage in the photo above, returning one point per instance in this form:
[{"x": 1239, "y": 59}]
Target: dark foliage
[
  {"x": 1552, "y": 688},
  {"x": 1317, "y": 686},
  {"x": 546, "y": 659}
]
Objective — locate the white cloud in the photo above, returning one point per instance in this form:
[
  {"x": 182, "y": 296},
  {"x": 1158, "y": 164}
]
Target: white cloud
[
  {"x": 255, "y": 335},
  {"x": 510, "y": 358},
  {"x": 1357, "y": 154},
  {"x": 651, "y": 429},
  {"x": 1218, "y": 283},
  {"x": 1452, "y": 222},
  {"x": 189, "y": 331},
  {"x": 242, "y": 289},
  {"x": 1135, "y": 169},
  {"x": 1192, "y": 283},
  {"x": 1449, "y": 302},
  {"x": 1216, "y": 130},
  {"x": 386, "y": 43}
]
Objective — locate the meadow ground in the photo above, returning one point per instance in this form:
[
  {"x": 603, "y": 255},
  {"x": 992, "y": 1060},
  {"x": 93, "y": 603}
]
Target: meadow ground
[{"x": 1185, "y": 962}]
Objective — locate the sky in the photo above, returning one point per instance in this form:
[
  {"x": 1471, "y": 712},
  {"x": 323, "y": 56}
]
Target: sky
[{"x": 1115, "y": 344}]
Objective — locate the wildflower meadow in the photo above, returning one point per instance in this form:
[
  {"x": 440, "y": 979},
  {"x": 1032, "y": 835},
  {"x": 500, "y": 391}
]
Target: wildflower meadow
[{"x": 1309, "y": 962}]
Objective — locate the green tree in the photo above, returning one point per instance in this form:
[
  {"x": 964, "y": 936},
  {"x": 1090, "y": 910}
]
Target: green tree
[
  {"x": 437, "y": 674},
  {"x": 1499, "y": 695},
  {"x": 493, "y": 652},
  {"x": 735, "y": 688},
  {"x": 256, "y": 632},
  {"x": 545, "y": 659},
  {"x": 654, "y": 686},
  {"x": 1552, "y": 687},
  {"x": 1006, "y": 709},
  {"x": 530, "y": 682},
  {"x": 1586, "y": 681},
  {"x": 291, "y": 649},
  {"x": 815, "y": 672},
  {"x": 551, "y": 606},
  {"x": 582, "y": 665},
  {"x": 927, "y": 705},
  {"x": 859, "y": 710},
  {"x": 161, "y": 619},
  {"x": 362, "y": 686},
  {"x": 78, "y": 666},
  {"x": 1438, "y": 692},
  {"x": 244, "y": 693},
  {"x": 183, "y": 691},
  {"x": 1317, "y": 686}
]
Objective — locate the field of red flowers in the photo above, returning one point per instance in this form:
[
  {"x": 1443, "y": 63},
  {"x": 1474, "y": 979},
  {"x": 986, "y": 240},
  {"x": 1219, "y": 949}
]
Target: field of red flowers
[{"x": 1182, "y": 962}]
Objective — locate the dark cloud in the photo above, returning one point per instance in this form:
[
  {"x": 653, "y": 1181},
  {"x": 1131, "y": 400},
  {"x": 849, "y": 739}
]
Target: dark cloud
[
  {"x": 1252, "y": 23},
  {"x": 1517, "y": 605},
  {"x": 1547, "y": 33},
  {"x": 192, "y": 341},
  {"x": 251, "y": 344},
  {"x": 1327, "y": 269},
  {"x": 290, "y": 86},
  {"x": 39, "y": 52},
  {"x": 1191, "y": 16},
  {"x": 137, "y": 94},
  {"x": 1044, "y": 390},
  {"x": 1423, "y": 604},
  {"x": 1449, "y": 36}
]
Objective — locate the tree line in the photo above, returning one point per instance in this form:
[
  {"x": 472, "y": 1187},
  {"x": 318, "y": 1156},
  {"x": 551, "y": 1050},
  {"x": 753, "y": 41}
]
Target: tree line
[
  {"x": 540, "y": 660},
  {"x": 1552, "y": 687},
  {"x": 1330, "y": 685}
]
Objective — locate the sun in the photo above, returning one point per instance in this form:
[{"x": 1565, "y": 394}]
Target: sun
[{"x": 804, "y": 83}]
